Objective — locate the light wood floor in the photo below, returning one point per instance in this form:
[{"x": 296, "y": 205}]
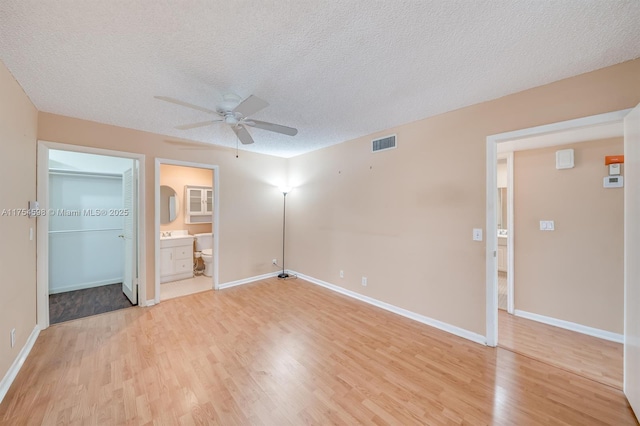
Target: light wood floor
[
  {"x": 288, "y": 352},
  {"x": 588, "y": 356},
  {"x": 180, "y": 288}
]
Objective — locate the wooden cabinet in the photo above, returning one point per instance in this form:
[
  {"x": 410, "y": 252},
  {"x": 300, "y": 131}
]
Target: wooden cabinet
[
  {"x": 176, "y": 259},
  {"x": 502, "y": 258},
  {"x": 198, "y": 204}
]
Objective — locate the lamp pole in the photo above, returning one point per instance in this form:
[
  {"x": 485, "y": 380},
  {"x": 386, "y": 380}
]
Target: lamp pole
[{"x": 284, "y": 275}]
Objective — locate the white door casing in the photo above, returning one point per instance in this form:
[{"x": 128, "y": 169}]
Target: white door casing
[{"x": 632, "y": 258}]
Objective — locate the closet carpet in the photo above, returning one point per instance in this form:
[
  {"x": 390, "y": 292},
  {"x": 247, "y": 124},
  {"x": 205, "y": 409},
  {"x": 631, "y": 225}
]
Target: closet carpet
[{"x": 86, "y": 302}]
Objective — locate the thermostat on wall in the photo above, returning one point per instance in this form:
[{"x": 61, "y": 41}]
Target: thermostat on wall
[{"x": 613, "y": 181}]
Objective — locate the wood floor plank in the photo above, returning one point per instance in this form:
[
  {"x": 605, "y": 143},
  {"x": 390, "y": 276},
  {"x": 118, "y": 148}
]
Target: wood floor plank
[
  {"x": 597, "y": 359},
  {"x": 288, "y": 352}
]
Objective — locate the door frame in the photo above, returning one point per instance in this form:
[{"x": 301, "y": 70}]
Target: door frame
[
  {"x": 42, "y": 223},
  {"x": 216, "y": 217},
  {"x": 492, "y": 141}
]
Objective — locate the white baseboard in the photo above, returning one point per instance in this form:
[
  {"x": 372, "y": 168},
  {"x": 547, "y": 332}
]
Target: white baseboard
[
  {"x": 595, "y": 332},
  {"x": 247, "y": 280},
  {"x": 82, "y": 286},
  {"x": 150, "y": 303},
  {"x": 8, "y": 378},
  {"x": 460, "y": 332}
]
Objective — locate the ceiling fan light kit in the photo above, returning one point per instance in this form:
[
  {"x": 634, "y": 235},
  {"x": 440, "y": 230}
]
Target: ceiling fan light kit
[{"x": 237, "y": 118}]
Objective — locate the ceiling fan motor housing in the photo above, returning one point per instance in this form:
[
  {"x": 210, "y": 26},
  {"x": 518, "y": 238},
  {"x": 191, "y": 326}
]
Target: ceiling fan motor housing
[{"x": 230, "y": 117}]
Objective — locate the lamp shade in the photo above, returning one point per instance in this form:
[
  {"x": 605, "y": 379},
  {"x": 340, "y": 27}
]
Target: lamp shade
[{"x": 285, "y": 189}]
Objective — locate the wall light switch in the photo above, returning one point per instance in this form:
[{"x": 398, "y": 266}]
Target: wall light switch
[
  {"x": 477, "y": 234},
  {"x": 547, "y": 225},
  {"x": 32, "y": 209}
]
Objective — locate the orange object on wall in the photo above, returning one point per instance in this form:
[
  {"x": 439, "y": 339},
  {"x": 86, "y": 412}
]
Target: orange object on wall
[{"x": 613, "y": 159}]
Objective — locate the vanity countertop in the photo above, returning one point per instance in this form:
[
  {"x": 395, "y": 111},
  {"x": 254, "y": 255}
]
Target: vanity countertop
[
  {"x": 174, "y": 234},
  {"x": 175, "y": 238}
]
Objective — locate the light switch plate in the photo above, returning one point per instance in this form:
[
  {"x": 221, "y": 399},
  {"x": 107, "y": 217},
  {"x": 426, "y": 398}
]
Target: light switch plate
[
  {"x": 477, "y": 234},
  {"x": 547, "y": 225}
]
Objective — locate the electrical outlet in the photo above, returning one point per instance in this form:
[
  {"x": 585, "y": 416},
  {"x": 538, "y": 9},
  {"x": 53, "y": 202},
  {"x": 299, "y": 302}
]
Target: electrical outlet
[
  {"x": 341, "y": 273},
  {"x": 364, "y": 281},
  {"x": 13, "y": 337},
  {"x": 274, "y": 261}
]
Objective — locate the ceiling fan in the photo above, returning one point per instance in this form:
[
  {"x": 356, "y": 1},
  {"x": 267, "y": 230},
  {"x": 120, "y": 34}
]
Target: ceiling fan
[{"x": 237, "y": 118}]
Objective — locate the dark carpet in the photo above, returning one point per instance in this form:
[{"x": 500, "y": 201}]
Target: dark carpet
[{"x": 83, "y": 303}]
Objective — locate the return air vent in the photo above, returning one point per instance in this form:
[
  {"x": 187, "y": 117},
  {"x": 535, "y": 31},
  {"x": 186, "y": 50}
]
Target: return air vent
[{"x": 382, "y": 144}]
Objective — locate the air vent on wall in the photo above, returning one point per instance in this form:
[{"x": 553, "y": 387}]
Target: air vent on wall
[{"x": 382, "y": 144}]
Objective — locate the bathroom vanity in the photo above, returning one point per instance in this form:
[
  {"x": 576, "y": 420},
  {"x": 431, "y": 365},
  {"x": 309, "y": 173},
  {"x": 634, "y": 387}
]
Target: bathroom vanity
[{"x": 176, "y": 256}]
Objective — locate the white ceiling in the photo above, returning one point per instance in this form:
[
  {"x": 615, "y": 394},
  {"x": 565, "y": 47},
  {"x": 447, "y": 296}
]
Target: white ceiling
[{"x": 334, "y": 69}]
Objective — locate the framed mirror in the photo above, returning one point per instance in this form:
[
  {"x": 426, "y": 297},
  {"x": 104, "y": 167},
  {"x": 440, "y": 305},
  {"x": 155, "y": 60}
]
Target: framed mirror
[{"x": 169, "y": 204}]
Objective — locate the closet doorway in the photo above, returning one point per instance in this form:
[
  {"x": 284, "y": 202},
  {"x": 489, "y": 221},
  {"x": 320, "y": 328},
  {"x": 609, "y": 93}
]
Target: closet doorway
[{"x": 88, "y": 239}]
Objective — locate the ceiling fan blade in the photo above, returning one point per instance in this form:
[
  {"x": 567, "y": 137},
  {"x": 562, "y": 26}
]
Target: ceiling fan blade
[
  {"x": 243, "y": 135},
  {"x": 251, "y": 105},
  {"x": 272, "y": 127},
  {"x": 186, "y": 104},
  {"x": 194, "y": 125}
]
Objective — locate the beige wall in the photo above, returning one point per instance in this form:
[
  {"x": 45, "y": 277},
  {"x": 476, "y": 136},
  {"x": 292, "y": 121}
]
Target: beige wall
[
  {"x": 250, "y": 210},
  {"x": 177, "y": 177},
  {"x": 404, "y": 217},
  {"x": 574, "y": 273},
  {"x": 18, "y": 128}
]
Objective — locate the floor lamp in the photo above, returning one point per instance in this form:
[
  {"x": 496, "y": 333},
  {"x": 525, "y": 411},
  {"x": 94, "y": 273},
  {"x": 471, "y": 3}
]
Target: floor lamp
[{"x": 285, "y": 191}]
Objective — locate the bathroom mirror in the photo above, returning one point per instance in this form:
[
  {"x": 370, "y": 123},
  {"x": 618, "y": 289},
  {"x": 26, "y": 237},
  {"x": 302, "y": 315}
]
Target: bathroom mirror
[{"x": 168, "y": 204}]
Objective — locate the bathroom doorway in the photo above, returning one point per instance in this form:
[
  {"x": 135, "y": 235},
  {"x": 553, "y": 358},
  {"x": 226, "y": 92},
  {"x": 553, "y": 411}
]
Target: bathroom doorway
[
  {"x": 504, "y": 214},
  {"x": 568, "y": 283},
  {"x": 88, "y": 232},
  {"x": 186, "y": 228},
  {"x": 589, "y": 128}
]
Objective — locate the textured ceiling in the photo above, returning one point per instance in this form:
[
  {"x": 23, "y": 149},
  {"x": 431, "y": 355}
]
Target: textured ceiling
[{"x": 335, "y": 70}]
